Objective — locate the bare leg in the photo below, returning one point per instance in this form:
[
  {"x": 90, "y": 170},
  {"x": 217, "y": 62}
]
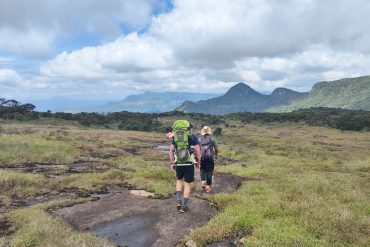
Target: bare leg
[
  {"x": 187, "y": 189},
  {"x": 179, "y": 184}
]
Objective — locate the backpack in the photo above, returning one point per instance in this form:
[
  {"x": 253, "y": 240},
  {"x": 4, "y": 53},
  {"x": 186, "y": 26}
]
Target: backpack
[
  {"x": 206, "y": 147},
  {"x": 181, "y": 137}
]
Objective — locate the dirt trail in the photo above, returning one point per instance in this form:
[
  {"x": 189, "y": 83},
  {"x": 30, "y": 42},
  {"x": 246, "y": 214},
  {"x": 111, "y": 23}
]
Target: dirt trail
[{"x": 131, "y": 220}]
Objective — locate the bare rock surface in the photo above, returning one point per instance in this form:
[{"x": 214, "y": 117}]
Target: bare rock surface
[{"x": 128, "y": 219}]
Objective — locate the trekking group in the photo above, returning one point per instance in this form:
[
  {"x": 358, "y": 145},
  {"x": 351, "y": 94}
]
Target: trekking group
[{"x": 188, "y": 152}]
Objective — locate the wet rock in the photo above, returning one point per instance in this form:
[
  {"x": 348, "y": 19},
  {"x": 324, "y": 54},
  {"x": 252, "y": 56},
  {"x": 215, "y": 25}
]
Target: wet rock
[{"x": 131, "y": 231}]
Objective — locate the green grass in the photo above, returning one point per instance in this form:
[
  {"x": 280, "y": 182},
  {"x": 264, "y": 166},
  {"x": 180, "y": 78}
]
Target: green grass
[
  {"x": 150, "y": 175},
  {"x": 91, "y": 181},
  {"x": 21, "y": 149},
  {"x": 296, "y": 195},
  {"x": 35, "y": 227},
  {"x": 305, "y": 186},
  {"x": 17, "y": 184}
]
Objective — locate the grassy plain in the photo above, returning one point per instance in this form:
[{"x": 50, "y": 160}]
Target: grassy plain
[{"x": 306, "y": 186}]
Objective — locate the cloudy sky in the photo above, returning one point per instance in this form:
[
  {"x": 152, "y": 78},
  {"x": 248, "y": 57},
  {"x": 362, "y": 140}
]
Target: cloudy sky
[{"x": 93, "y": 49}]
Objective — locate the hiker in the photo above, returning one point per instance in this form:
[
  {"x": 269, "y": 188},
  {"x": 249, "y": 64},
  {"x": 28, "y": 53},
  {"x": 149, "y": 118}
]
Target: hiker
[
  {"x": 181, "y": 161},
  {"x": 209, "y": 148}
]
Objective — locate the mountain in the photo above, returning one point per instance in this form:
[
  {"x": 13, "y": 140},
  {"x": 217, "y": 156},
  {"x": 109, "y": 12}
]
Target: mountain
[
  {"x": 349, "y": 93},
  {"x": 241, "y": 98},
  {"x": 150, "y": 102}
]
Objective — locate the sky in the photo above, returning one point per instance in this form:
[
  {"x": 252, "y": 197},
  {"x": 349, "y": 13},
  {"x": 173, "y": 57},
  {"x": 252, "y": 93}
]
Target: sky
[{"x": 93, "y": 49}]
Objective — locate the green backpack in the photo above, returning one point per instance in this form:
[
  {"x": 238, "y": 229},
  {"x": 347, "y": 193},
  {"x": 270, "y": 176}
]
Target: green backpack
[{"x": 181, "y": 137}]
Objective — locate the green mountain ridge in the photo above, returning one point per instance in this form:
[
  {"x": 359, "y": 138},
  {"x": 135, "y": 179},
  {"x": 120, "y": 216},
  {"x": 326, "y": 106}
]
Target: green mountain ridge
[{"x": 348, "y": 93}]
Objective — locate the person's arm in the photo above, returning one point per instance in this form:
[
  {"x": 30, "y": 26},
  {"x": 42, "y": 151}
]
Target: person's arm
[
  {"x": 172, "y": 157},
  {"x": 197, "y": 153}
]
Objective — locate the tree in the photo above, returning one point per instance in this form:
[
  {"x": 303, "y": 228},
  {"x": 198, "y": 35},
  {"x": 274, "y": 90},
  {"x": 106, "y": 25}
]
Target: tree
[
  {"x": 2, "y": 101},
  {"x": 11, "y": 103},
  {"x": 27, "y": 107}
]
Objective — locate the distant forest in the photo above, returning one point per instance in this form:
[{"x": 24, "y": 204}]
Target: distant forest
[{"x": 355, "y": 120}]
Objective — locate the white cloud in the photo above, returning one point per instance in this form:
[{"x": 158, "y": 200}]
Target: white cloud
[
  {"x": 206, "y": 45},
  {"x": 35, "y": 27},
  {"x": 203, "y": 33},
  {"x": 32, "y": 42},
  {"x": 130, "y": 54},
  {"x": 9, "y": 78}
]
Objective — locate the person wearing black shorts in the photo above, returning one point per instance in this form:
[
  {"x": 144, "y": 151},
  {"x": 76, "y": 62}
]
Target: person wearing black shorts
[{"x": 185, "y": 173}]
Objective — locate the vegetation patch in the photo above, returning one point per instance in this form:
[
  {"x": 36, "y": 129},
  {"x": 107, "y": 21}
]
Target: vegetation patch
[
  {"x": 50, "y": 231},
  {"x": 150, "y": 175},
  {"x": 28, "y": 149},
  {"x": 307, "y": 197},
  {"x": 305, "y": 186},
  {"x": 17, "y": 184}
]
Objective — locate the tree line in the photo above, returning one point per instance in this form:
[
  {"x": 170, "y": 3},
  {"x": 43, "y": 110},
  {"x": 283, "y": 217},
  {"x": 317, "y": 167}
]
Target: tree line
[{"x": 320, "y": 116}]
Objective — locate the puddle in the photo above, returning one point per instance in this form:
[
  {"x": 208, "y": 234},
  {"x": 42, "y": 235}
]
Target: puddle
[{"x": 135, "y": 231}]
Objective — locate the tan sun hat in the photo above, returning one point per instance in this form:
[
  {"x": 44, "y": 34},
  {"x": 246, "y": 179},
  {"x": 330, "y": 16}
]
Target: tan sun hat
[{"x": 206, "y": 130}]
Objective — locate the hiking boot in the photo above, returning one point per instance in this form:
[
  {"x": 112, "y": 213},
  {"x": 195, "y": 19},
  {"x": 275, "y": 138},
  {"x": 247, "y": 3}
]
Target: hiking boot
[
  {"x": 179, "y": 205},
  {"x": 209, "y": 189},
  {"x": 184, "y": 209},
  {"x": 203, "y": 183}
]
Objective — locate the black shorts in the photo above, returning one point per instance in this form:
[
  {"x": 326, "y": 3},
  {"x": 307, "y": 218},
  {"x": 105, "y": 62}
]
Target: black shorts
[{"x": 186, "y": 173}]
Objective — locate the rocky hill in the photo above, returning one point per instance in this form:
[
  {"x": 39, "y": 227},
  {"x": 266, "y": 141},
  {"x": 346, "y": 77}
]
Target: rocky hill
[{"x": 242, "y": 98}]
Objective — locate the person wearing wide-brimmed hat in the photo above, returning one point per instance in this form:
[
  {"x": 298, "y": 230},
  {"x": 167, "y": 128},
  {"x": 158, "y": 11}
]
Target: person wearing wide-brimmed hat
[{"x": 209, "y": 148}]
